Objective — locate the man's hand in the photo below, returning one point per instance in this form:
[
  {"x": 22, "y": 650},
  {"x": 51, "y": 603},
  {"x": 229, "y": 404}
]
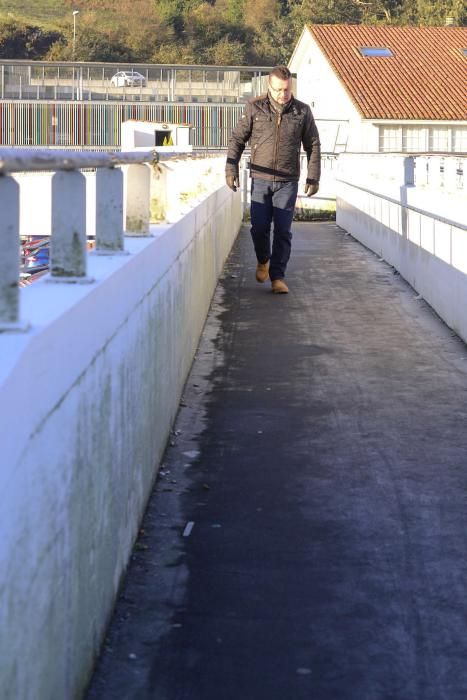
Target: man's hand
[
  {"x": 310, "y": 189},
  {"x": 232, "y": 182}
]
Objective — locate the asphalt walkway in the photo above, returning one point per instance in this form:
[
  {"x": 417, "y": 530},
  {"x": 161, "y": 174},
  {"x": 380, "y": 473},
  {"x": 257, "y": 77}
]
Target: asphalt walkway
[{"x": 307, "y": 537}]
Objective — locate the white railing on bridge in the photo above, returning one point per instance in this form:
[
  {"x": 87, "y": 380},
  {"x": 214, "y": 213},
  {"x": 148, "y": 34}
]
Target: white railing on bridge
[
  {"x": 89, "y": 392},
  {"x": 443, "y": 173},
  {"x": 68, "y": 257},
  {"x": 151, "y": 188},
  {"x": 411, "y": 211}
]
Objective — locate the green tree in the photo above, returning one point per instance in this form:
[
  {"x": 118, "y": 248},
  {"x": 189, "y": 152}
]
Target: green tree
[
  {"x": 425, "y": 13},
  {"x": 226, "y": 52},
  {"x": 91, "y": 45},
  {"x": 436, "y": 13},
  {"x": 175, "y": 53},
  {"x": 326, "y": 12},
  {"x": 19, "y": 40},
  {"x": 261, "y": 13},
  {"x": 232, "y": 10},
  {"x": 275, "y": 44}
]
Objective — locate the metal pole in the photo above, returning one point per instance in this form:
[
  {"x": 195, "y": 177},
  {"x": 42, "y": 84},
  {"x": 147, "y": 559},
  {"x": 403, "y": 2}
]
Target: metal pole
[{"x": 75, "y": 12}]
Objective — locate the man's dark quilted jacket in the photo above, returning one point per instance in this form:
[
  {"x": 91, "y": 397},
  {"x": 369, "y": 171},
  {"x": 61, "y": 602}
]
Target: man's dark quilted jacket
[{"x": 275, "y": 141}]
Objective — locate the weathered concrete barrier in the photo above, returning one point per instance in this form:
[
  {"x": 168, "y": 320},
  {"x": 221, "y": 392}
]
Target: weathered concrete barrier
[
  {"x": 415, "y": 223},
  {"x": 87, "y": 399}
]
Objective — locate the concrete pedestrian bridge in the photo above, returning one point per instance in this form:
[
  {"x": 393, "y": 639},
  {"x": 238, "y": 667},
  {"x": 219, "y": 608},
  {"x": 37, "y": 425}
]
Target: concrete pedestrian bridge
[
  {"x": 216, "y": 492},
  {"x": 306, "y": 537}
]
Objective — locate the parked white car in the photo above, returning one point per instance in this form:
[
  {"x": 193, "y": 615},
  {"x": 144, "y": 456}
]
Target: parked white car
[{"x": 128, "y": 78}]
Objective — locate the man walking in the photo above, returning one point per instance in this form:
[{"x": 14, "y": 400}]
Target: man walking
[{"x": 276, "y": 125}]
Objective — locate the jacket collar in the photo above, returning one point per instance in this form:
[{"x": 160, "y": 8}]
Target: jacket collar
[{"x": 269, "y": 107}]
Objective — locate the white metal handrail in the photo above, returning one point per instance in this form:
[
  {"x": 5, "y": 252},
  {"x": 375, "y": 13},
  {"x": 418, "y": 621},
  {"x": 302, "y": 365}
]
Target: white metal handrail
[
  {"x": 404, "y": 205},
  {"x": 68, "y": 249},
  {"x": 13, "y": 160}
]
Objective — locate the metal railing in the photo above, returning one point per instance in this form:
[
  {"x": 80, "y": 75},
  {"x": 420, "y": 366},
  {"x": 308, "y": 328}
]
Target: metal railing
[
  {"x": 53, "y": 80},
  {"x": 33, "y": 160},
  {"x": 68, "y": 243}
]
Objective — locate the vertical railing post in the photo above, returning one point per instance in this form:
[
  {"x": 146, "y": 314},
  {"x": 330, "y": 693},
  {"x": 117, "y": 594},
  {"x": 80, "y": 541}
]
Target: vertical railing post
[
  {"x": 9, "y": 258},
  {"x": 409, "y": 170},
  {"x": 244, "y": 185},
  {"x": 109, "y": 211},
  {"x": 421, "y": 171},
  {"x": 158, "y": 194},
  {"x": 137, "y": 200},
  {"x": 435, "y": 175},
  {"x": 68, "y": 257}
]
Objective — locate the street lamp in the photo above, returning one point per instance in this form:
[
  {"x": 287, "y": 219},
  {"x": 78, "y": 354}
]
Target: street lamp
[{"x": 75, "y": 12}]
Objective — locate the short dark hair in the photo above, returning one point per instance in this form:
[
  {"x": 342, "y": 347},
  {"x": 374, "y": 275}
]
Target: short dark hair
[{"x": 281, "y": 72}]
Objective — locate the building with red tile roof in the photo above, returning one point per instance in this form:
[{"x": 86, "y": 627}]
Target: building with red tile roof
[{"x": 385, "y": 88}]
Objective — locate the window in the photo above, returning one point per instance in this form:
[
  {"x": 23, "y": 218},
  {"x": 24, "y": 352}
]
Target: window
[
  {"x": 413, "y": 139},
  {"x": 459, "y": 139},
  {"x": 390, "y": 139},
  {"x": 422, "y": 139},
  {"x": 440, "y": 139},
  {"x": 375, "y": 51}
]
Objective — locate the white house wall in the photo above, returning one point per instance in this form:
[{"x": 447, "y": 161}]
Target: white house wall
[{"x": 318, "y": 86}]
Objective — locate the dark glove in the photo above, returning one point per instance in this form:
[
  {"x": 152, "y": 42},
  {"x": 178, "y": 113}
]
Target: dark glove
[
  {"x": 311, "y": 189},
  {"x": 232, "y": 182}
]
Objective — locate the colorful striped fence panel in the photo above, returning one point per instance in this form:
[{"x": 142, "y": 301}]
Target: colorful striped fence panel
[{"x": 98, "y": 123}]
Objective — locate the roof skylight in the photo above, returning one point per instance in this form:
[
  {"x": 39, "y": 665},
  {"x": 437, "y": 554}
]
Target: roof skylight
[{"x": 375, "y": 51}]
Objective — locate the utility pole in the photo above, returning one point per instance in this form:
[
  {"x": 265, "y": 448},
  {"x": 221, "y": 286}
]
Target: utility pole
[{"x": 75, "y": 12}]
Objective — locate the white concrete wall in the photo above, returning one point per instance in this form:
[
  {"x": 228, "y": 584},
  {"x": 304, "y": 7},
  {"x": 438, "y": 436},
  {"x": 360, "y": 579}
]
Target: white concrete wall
[
  {"x": 178, "y": 183},
  {"x": 140, "y": 134},
  {"x": 430, "y": 254},
  {"x": 87, "y": 399},
  {"x": 340, "y": 124},
  {"x": 324, "y": 202},
  {"x": 36, "y": 203}
]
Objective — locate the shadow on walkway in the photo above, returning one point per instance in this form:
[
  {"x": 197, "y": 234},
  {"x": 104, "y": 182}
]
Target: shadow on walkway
[{"x": 307, "y": 536}]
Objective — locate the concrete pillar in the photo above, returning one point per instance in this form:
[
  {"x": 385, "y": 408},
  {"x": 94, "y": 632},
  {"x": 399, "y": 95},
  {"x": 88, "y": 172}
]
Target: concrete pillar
[
  {"x": 137, "y": 200},
  {"x": 109, "y": 210},
  {"x": 158, "y": 203},
  {"x": 68, "y": 256},
  {"x": 9, "y": 258},
  {"x": 409, "y": 170}
]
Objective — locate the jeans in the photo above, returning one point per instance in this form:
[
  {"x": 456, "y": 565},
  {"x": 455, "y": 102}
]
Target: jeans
[{"x": 272, "y": 202}]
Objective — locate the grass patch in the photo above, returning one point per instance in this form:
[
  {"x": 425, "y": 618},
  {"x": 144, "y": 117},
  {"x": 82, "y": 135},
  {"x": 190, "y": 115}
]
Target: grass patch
[{"x": 45, "y": 13}]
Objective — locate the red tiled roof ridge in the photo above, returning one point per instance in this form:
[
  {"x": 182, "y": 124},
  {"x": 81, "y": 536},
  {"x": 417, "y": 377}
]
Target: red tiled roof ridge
[{"x": 426, "y": 78}]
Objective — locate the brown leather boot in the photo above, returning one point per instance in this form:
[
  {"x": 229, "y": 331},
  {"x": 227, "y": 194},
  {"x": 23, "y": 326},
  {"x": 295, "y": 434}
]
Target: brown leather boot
[
  {"x": 279, "y": 287},
  {"x": 262, "y": 271}
]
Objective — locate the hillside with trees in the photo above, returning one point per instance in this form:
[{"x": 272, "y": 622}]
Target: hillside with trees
[{"x": 220, "y": 32}]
